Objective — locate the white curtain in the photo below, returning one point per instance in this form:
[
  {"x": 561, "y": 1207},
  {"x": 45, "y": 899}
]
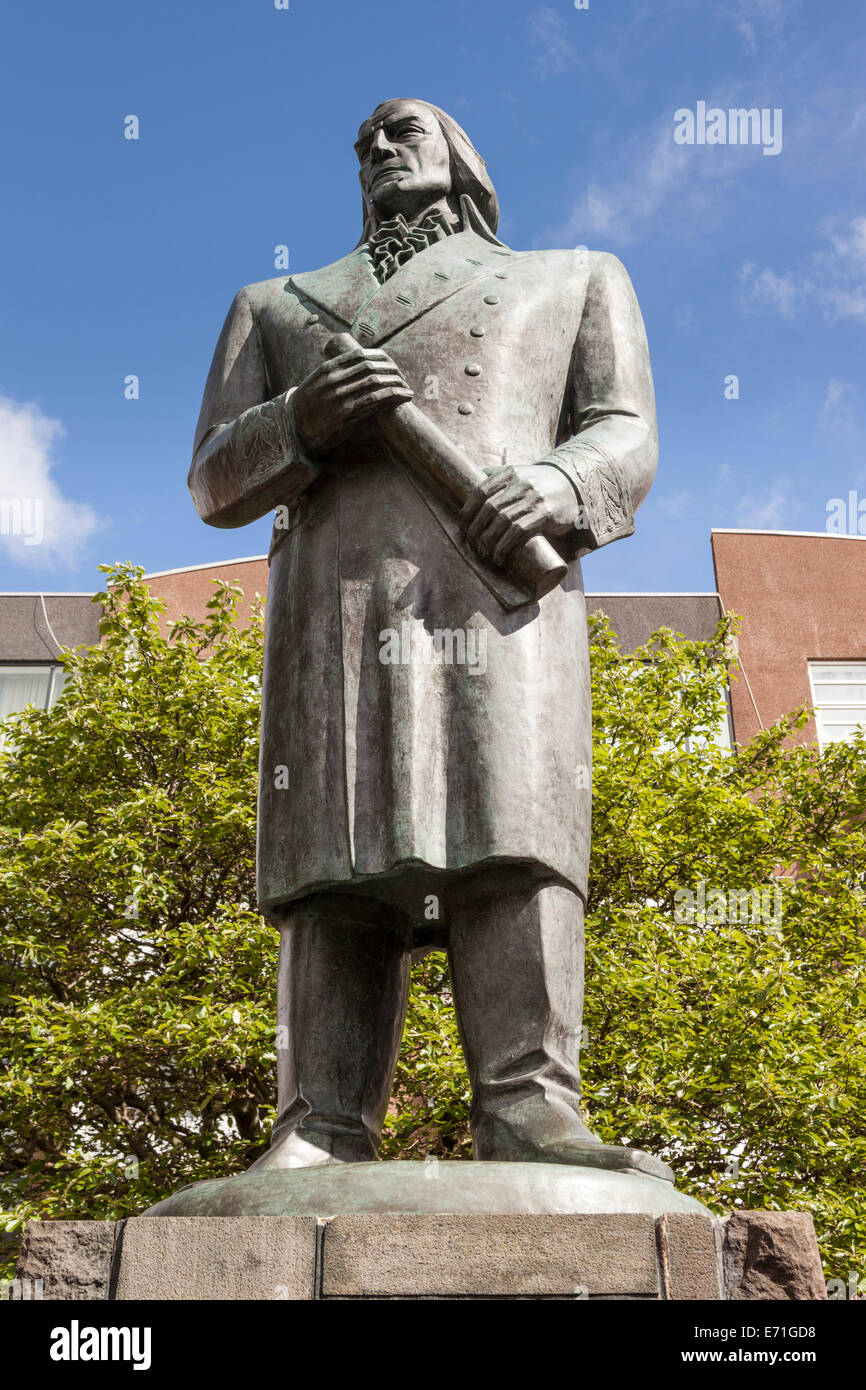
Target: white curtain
[{"x": 21, "y": 686}]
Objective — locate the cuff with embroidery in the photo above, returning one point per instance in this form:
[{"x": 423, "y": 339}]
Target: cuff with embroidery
[
  {"x": 606, "y": 512},
  {"x": 267, "y": 449}
]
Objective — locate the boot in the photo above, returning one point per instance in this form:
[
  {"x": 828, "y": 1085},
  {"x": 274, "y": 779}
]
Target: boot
[
  {"x": 516, "y": 949},
  {"x": 341, "y": 1002},
  {"x": 516, "y": 956}
]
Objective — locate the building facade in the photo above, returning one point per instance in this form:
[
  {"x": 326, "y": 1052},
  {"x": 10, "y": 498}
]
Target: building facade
[
  {"x": 802, "y": 640},
  {"x": 34, "y": 628},
  {"x": 803, "y": 636}
]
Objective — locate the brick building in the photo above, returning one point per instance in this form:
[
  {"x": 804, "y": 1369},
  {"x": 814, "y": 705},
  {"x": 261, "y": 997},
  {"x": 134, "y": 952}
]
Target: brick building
[{"x": 802, "y": 640}]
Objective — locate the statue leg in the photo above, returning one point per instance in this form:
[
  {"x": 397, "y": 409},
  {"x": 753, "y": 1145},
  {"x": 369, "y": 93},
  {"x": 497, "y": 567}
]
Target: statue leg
[
  {"x": 516, "y": 949},
  {"x": 341, "y": 1003}
]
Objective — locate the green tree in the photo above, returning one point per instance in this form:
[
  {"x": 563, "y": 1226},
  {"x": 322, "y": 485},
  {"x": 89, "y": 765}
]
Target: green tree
[
  {"x": 137, "y": 983},
  {"x": 137, "y": 1047},
  {"x": 734, "y": 1048}
]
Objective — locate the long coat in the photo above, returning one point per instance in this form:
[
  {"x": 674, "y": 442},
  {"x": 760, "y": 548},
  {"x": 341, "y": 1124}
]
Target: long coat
[{"x": 381, "y": 747}]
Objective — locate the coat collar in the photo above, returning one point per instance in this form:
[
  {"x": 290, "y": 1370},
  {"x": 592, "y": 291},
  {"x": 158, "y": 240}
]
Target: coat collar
[{"x": 349, "y": 291}]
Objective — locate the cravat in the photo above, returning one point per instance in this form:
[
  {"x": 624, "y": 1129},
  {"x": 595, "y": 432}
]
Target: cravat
[{"x": 395, "y": 242}]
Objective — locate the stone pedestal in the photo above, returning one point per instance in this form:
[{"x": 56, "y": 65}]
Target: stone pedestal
[{"x": 446, "y": 1230}]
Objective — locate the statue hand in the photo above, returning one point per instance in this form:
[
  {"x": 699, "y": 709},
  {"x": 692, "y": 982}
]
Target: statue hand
[
  {"x": 330, "y": 402},
  {"x": 510, "y": 506}
]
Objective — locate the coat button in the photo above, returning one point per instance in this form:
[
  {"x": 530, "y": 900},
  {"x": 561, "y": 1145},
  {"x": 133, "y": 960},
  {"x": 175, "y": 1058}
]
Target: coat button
[
  {"x": 472, "y": 369},
  {"x": 491, "y": 299},
  {"x": 465, "y": 408},
  {"x": 312, "y": 318},
  {"x": 477, "y": 332}
]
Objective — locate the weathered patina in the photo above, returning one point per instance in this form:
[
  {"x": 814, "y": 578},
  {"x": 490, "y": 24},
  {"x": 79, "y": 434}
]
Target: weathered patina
[{"x": 426, "y": 729}]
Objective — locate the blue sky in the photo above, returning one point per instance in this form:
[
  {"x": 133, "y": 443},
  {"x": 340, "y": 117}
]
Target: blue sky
[{"x": 121, "y": 257}]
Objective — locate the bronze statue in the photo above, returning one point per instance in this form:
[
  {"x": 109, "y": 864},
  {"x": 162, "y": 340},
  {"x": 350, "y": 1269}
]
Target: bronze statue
[{"x": 436, "y": 478}]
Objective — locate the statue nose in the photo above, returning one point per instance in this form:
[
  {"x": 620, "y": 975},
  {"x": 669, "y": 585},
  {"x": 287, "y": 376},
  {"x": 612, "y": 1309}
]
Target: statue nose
[{"x": 381, "y": 148}]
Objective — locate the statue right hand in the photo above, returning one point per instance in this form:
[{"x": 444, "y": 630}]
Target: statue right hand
[{"x": 328, "y": 405}]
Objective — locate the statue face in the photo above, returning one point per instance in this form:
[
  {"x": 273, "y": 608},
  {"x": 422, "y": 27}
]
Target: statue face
[{"x": 405, "y": 161}]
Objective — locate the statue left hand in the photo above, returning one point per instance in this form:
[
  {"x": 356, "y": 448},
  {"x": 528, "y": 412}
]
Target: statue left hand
[{"x": 510, "y": 506}]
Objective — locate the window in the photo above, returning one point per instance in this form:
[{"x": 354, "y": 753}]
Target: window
[
  {"x": 720, "y": 736},
  {"x": 839, "y": 697},
  {"x": 25, "y": 685}
]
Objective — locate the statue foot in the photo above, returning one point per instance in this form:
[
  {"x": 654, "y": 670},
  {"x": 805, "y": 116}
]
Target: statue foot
[
  {"x": 296, "y": 1151},
  {"x": 546, "y": 1134}
]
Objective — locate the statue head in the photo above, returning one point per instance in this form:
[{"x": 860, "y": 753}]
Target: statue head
[{"x": 413, "y": 155}]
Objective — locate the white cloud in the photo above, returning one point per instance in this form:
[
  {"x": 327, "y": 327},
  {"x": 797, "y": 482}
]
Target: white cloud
[
  {"x": 652, "y": 168},
  {"x": 756, "y": 19},
  {"x": 837, "y": 395},
  {"x": 675, "y": 504},
  {"x": 38, "y": 525},
  {"x": 550, "y": 35},
  {"x": 651, "y": 176},
  {"x": 850, "y": 244},
  {"x": 833, "y": 276},
  {"x": 766, "y": 511},
  {"x": 766, "y": 287},
  {"x": 838, "y": 414},
  {"x": 648, "y": 182},
  {"x": 846, "y": 304}
]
